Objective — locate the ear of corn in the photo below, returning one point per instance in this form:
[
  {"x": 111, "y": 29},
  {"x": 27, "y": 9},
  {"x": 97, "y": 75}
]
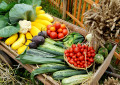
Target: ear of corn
[
  {"x": 45, "y": 17},
  {"x": 34, "y": 31},
  {"x": 11, "y": 39},
  {"x": 44, "y": 22}
]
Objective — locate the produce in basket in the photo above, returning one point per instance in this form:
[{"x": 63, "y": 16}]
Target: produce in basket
[
  {"x": 80, "y": 56},
  {"x": 57, "y": 31},
  {"x": 99, "y": 59},
  {"x": 103, "y": 51}
]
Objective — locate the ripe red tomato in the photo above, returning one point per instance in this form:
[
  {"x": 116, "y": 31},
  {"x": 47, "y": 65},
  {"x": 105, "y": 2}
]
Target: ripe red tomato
[
  {"x": 81, "y": 66},
  {"x": 81, "y": 63},
  {"x": 48, "y": 32},
  {"x": 81, "y": 50},
  {"x": 91, "y": 48},
  {"x": 75, "y": 59},
  {"x": 71, "y": 61},
  {"x": 68, "y": 58},
  {"x": 53, "y": 35},
  {"x": 89, "y": 55},
  {"x": 91, "y": 60},
  {"x": 93, "y": 54},
  {"x": 71, "y": 54},
  {"x": 74, "y": 56},
  {"x": 60, "y": 30},
  {"x": 48, "y": 27},
  {"x": 76, "y": 50},
  {"x": 89, "y": 63},
  {"x": 81, "y": 58},
  {"x": 73, "y": 46},
  {"x": 78, "y": 66},
  {"x": 60, "y": 35},
  {"x": 79, "y": 54},
  {"x": 65, "y": 32},
  {"x": 52, "y": 29},
  {"x": 75, "y": 64},
  {"x": 63, "y": 26},
  {"x": 57, "y": 25},
  {"x": 78, "y": 62},
  {"x": 66, "y": 51},
  {"x": 79, "y": 45},
  {"x": 71, "y": 50},
  {"x": 67, "y": 54}
]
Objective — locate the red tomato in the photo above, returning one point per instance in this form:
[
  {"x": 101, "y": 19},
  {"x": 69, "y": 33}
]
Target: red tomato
[
  {"x": 53, "y": 35},
  {"x": 71, "y": 61},
  {"x": 92, "y": 51},
  {"x": 73, "y": 46},
  {"x": 76, "y": 50},
  {"x": 86, "y": 46},
  {"x": 66, "y": 51},
  {"x": 48, "y": 32},
  {"x": 91, "y": 48},
  {"x": 65, "y": 32},
  {"x": 91, "y": 60},
  {"x": 75, "y": 59},
  {"x": 52, "y": 29},
  {"x": 89, "y": 55},
  {"x": 48, "y": 27},
  {"x": 59, "y": 30},
  {"x": 60, "y": 35},
  {"x": 71, "y": 54},
  {"x": 79, "y": 54},
  {"x": 89, "y": 63},
  {"x": 68, "y": 58},
  {"x": 81, "y": 50},
  {"x": 75, "y": 64},
  {"x": 78, "y": 66},
  {"x": 63, "y": 26},
  {"x": 81, "y": 58},
  {"x": 57, "y": 25},
  {"x": 78, "y": 62},
  {"x": 81, "y": 66},
  {"x": 71, "y": 50},
  {"x": 67, "y": 54},
  {"x": 79, "y": 45},
  {"x": 83, "y": 46},
  {"x": 93, "y": 54},
  {"x": 83, "y": 62}
]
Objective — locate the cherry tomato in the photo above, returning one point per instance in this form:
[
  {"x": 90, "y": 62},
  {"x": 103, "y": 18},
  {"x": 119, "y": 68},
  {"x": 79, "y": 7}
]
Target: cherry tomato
[
  {"x": 75, "y": 64},
  {"x": 68, "y": 58},
  {"x": 81, "y": 66},
  {"x": 78, "y": 66},
  {"x": 81, "y": 58},
  {"x": 57, "y": 25},
  {"x": 66, "y": 51},
  {"x": 85, "y": 65},
  {"x": 81, "y": 50},
  {"x": 79, "y": 45},
  {"x": 60, "y": 35},
  {"x": 71, "y": 54},
  {"x": 73, "y": 46},
  {"x": 53, "y": 35},
  {"x": 76, "y": 50},
  {"x": 63, "y": 26},
  {"x": 83, "y": 62},
  {"x": 67, "y": 54},
  {"x": 71, "y": 61},
  {"x": 83, "y": 46},
  {"x": 60, "y": 30},
  {"x": 89, "y": 63},
  {"x": 79, "y": 54},
  {"x": 92, "y": 51},
  {"x": 48, "y": 27},
  {"x": 75, "y": 59},
  {"x": 52, "y": 29},
  {"x": 93, "y": 54},
  {"x": 89, "y": 55},
  {"x": 71, "y": 50},
  {"x": 91, "y": 48},
  {"x": 65, "y": 32},
  {"x": 91, "y": 60},
  {"x": 86, "y": 46},
  {"x": 78, "y": 62},
  {"x": 48, "y": 32}
]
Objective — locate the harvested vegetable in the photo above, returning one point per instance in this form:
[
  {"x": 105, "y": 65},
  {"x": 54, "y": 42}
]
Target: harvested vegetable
[
  {"x": 99, "y": 59},
  {"x": 103, "y": 51},
  {"x": 39, "y": 40}
]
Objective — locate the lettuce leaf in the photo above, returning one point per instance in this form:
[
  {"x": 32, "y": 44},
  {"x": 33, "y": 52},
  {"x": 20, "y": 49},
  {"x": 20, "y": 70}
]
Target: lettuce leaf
[
  {"x": 21, "y": 12},
  {"x": 8, "y": 31},
  {"x": 34, "y": 3}
]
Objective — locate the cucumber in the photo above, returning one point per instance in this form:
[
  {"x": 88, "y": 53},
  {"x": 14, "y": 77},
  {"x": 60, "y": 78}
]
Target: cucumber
[
  {"x": 45, "y": 68},
  {"x": 50, "y": 41},
  {"x": 60, "y": 45},
  {"x": 58, "y": 75},
  {"x": 33, "y": 59},
  {"x": 40, "y": 53},
  {"x": 77, "y": 79},
  {"x": 50, "y": 50}
]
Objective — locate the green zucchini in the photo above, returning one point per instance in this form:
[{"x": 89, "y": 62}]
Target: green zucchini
[
  {"x": 40, "y": 53},
  {"x": 50, "y": 41},
  {"x": 58, "y": 75},
  {"x": 50, "y": 51},
  {"x": 33, "y": 59},
  {"x": 77, "y": 79},
  {"x": 45, "y": 68}
]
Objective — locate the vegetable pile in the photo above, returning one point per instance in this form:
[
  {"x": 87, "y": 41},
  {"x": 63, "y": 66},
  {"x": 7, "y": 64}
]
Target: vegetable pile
[{"x": 80, "y": 56}]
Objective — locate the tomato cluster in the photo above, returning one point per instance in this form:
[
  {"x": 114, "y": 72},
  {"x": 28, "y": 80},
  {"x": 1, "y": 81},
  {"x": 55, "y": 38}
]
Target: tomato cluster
[
  {"x": 57, "y": 30},
  {"x": 76, "y": 55}
]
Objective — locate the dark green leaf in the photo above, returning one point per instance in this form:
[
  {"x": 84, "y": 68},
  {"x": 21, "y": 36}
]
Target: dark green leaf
[
  {"x": 8, "y": 31},
  {"x": 3, "y": 6},
  {"x": 21, "y": 12},
  {"x": 3, "y": 21}
]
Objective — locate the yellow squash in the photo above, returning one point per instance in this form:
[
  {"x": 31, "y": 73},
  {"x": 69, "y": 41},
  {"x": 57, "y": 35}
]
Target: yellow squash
[
  {"x": 34, "y": 30},
  {"x": 40, "y": 26},
  {"x": 22, "y": 49},
  {"x": 45, "y": 17},
  {"x": 11, "y": 39},
  {"x": 20, "y": 42},
  {"x": 40, "y": 12},
  {"x": 44, "y": 22},
  {"x": 38, "y": 9}
]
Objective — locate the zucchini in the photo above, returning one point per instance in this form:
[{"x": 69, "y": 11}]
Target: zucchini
[
  {"x": 77, "y": 79},
  {"x": 50, "y": 51},
  {"x": 40, "y": 53},
  {"x": 59, "y": 45},
  {"x": 58, "y": 75},
  {"x": 78, "y": 40},
  {"x": 50, "y": 41},
  {"x": 33, "y": 59},
  {"x": 45, "y": 68}
]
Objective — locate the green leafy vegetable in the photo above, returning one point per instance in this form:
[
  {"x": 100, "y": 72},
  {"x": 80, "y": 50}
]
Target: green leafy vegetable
[
  {"x": 21, "y": 12},
  {"x": 3, "y": 21},
  {"x": 8, "y": 31},
  {"x": 31, "y": 2}
]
